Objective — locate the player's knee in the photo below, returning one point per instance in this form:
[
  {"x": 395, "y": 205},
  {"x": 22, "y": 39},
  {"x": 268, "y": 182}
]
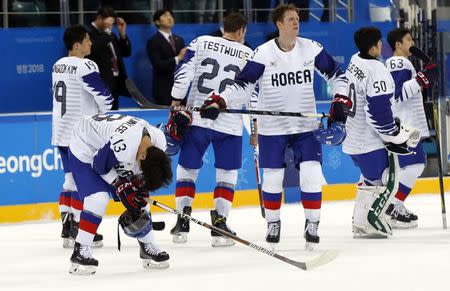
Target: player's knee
[
  {"x": 186, "y": 174},
  {"x": 273, "y": 180},
  {"x": 96, "y": 203},
  {"x": 69, "y": 182},
  {"x": 414, "y": 170},
  {"x": 227, "y": 176},
  {"x": 311, "y": 176}
]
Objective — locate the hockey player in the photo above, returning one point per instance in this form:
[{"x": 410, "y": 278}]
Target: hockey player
[
  {"x": 371, "y": 124},
  {"x": 107, "y": 150},
  {"x": 210, "y": 64},
  {"x": 284, "y": 68},
  {"x": 408, "y": 95},
  {"x": 77, "y": 90}
]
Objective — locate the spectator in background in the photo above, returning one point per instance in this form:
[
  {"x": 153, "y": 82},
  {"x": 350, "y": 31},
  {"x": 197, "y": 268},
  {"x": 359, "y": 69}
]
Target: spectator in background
[
  {"x": 164, "y": 50},
  {"x": 205, "y": 13},
  {"x": 108, "y": 50}
]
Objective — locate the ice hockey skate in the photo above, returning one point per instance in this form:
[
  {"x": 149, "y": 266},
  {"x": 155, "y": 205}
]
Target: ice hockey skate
[
  {"x": 220, "y": 221},
  {"x": 310, "y": 235},
  {"x": 82, "y": 261},
  {"x": 66, "y": 219},
  {"x": 152, "y": 257},
  {"x": 273, "y": 233},
  {"x": 400, "y": 217},
  {"x": 181, "y": 228}
]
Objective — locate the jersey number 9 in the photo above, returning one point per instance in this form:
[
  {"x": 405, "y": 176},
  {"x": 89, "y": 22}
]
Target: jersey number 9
[{"x": 59, "y": 92}]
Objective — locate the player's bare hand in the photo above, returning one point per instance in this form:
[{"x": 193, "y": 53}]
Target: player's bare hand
[{"x": 121, "y": 26}]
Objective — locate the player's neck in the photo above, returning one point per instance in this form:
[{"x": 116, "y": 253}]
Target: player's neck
[
  {"x": 230, "y": 36},
  {"x": 286, "y": 43},
  {"x": 75, "y": 53},
  {"x": 398, "y": 53}
]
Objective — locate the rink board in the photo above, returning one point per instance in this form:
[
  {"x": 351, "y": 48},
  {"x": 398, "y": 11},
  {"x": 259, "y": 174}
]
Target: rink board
[{"x": 31, "y": 173}]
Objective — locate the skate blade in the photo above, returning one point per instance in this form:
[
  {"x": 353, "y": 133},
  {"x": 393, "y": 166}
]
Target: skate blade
[
  {"x": 221, "y": 241},
  {"x": 151, "y": 264},
  {"x": 81, "y": 270},
  {"x": 97, "y": 244},
  {"x": 403, "y": 225},
  {"x": 310, "y": 246},
  {"x": 180, "y": 238}
]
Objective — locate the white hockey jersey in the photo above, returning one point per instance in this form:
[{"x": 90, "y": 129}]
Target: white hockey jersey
[
  {"x": 210, "y": 64},
  {"x": 286, "y": 84},
  {"x": 408, "y": 94},
  {"x": 77, "y": 90},
  {"x": 371, "y": 89},
  {"x": 110, "y": 142}
]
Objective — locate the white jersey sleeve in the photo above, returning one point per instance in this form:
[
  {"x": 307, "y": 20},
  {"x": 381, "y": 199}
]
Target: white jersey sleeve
[
  {"x": 185, "y": 73},
  {"x": 408, "y": 94},
  {"x": 89, "y": 76}
]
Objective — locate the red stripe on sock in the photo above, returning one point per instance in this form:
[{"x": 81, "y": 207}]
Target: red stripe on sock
[
  {"x": 401, "y": 196},
  {"x": 88, "y": 226},
  {"x": 312, "y": 204},
  {"x": 77, "y": 204},
  {"x": 272, "y": 205},
  {"x": 64, "y": 200},
  {"x": 185, "y": 191},
  {"x": 224, "y": 193}
]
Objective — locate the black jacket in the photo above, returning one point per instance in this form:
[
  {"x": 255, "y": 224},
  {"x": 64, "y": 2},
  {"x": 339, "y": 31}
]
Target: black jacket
[
  {"x": 162, "y": 57},
  {"x": 102, "y": 55}
]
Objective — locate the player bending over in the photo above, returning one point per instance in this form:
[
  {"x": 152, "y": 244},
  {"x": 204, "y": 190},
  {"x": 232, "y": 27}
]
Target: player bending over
[{"x": 104, "y": 152}]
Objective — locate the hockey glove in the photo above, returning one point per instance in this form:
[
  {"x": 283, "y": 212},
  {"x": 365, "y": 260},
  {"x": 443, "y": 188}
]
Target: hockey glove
[
  {"x": 178, "y": 124},
  {"x": 427, "y": 76},
  {"x": 131, "y": 195},
  {"x": 340, "y": 107},
  {"x": 211, "y": 107},
  {"x": 407, "y": 137},
  {"x": 333, "y": 135}
]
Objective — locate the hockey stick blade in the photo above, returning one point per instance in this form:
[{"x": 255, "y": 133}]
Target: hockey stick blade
[
  {"x": 321, "y": 260},
  {"x": 420, "y": 54}
]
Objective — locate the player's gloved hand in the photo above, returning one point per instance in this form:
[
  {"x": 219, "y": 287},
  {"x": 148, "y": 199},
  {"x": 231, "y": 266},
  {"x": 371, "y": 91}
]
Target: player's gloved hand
[
  {"x": 130, "y": 193},
  {"x": 211, "y": 106},
  {"x": 178, "y": 123},
  {"x": 333, "y": 135},
  {"x": 339, "y": 109},
  {"x": 427, "y": 76},
  {"x": 407, "y": 137}
]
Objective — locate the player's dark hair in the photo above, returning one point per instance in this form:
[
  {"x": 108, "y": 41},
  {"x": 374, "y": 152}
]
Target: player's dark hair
[
  {"x": 159, "y": 13},
  {"x": 366, "y": 38},
  {"x": 107, "y": 11},
  {"x": 278, "y": 12},
  {"x": 157, "y": 169},
  {"x": 234, "y": 21},
  {"x": 74, "y": 34},
  {"x": 397, "y": 35}
]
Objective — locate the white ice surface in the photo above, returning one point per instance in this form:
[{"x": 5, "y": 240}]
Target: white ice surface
[{"x": 31, "y": 256}]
